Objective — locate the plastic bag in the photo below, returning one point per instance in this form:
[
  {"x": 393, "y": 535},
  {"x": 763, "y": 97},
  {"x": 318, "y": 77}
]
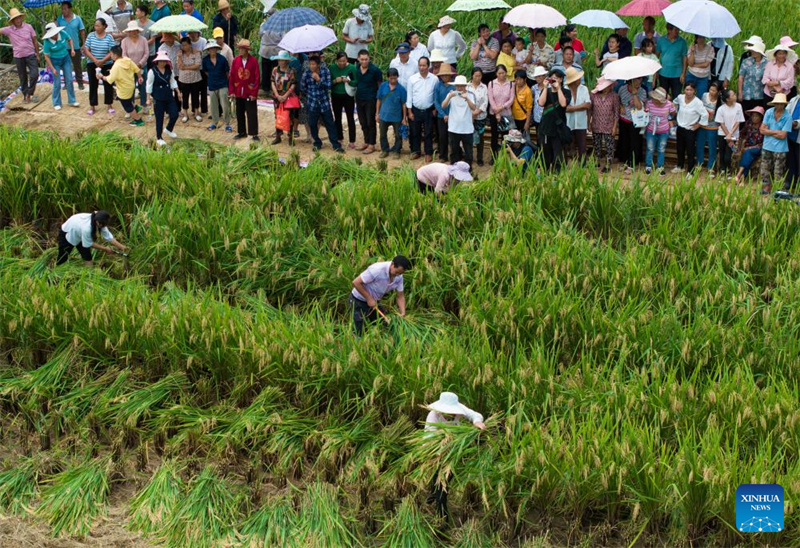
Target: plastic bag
[{"x": 283, "y": 122}]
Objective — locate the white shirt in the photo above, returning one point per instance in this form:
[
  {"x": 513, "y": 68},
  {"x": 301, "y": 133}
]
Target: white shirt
[
  {"x": 579, "y": 119},
  {"x": 451, "y": 44},
  {"x": 355, "y": 31},
  {"x": 690, "y": 113},
  {"x": 731, "y": 117},
  {"x": 79, "y": 230},
  {"x": 376, "y": 281},
  {"x": 481, "y": 100},
  {"x": 405, "y": 70},
  {"x": 434, "y": 418},
  {"x": 459, "y": 120},
  {"x": 418, "y": 52},
  {"x": 420, "y": 91},
  {"x": 200, "y": 45}
]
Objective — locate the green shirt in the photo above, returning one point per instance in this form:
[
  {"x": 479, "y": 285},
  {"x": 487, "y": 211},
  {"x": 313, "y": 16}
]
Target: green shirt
[
  {"x": 59, "y": 48},
  {"x": 336, "y": 72}
]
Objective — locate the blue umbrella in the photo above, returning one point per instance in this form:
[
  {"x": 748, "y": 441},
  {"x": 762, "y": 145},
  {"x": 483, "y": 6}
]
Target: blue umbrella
[
  {"x": 291, "y": 18},
  {"x": 33, "y": 4}
]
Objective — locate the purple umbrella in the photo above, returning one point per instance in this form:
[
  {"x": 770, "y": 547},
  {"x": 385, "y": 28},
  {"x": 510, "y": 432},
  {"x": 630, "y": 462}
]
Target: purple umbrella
[{"x": 308, "y": 38}]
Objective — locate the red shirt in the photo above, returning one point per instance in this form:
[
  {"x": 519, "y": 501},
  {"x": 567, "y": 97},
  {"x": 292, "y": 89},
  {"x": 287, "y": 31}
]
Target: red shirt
[
  {"x": 245, "y": 78},
  {"x": 577, "y": 45}
]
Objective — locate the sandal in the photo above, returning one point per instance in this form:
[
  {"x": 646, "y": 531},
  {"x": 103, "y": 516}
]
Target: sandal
[{"x": 212, "y": 127}]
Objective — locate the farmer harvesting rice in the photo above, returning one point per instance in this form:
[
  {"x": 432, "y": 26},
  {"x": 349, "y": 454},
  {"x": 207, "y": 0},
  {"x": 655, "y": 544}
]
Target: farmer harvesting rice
[
  {"x": 80, "y": 231},
  {"x": 372, "y": 284},
  {"x": 447, "y": 410},
  {"x": 438, "y": 177}
]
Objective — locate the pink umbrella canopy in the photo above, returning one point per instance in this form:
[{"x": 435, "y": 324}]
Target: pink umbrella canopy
[
  {"x": 535, "y": 16},
  {"x": 643, "y": 8}
]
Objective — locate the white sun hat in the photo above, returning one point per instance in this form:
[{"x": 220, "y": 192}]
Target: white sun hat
[
  {"x": 448, "y": 402},
  {"x": 437, "y": 56},
  {"x": 460, "y": 80},
  {"x": 51, "y": 30}
]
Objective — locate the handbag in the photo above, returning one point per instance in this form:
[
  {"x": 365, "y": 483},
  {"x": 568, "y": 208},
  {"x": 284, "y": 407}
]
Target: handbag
[
  {"x": 291, "y": 102},
  {"x": 563, "y": 131},
  {"x": 640, "y": 118},
  {"x": 283, "y": 121}
]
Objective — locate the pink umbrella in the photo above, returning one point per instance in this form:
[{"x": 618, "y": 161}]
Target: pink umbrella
[
  {"x": 535, "y": 16},
  {"x": 642, "y": 8}
]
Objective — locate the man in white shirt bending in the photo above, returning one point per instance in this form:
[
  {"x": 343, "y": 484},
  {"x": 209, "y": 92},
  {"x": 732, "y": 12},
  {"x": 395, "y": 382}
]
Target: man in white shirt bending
[{"x": 370, "y": 287}]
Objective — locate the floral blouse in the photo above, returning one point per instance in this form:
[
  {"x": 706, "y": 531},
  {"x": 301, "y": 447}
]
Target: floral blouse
[
  {"x": 752, "y": 73},
  {"x": 752, "y": 135}
]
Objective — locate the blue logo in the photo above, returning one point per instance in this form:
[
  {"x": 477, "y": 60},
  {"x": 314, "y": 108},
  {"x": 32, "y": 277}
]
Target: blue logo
[{"x": 759, "y": 508}]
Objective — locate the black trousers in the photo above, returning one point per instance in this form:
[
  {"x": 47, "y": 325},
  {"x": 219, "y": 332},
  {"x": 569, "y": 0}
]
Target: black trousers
[
  {"x": 792, "y": 166},
  {"x": 422, "y": 127},
  {"x": 170, "y": 108},
  {"x": 366, "y": 117},
  {"x": 496, "y": 134},
  {"x": 362, "y": 313},
  {"x": 65, "y": 248},
  {"x": 94, "y": 84},
  {"x": 204, "y": 93},
  {"x": 687, "y": 148},
  {"x": 461, "y": 147},
  {"x": 438, "y": 496},
  {"x": 488, "y": 77},
  {"x": 725, "y": 154},
  {"x": 672, "y": 86},
  {"x": 191, "y": 91},
  {"x": 266, "y": 74},
  {"x": 347, "y": 104},
  {"x": 553, "y": 152},
  {"x": 422, "y": 187},
  {"x": 246, "y": 117},
  {"x": 443, "y": 140},
  {"x": 630, "y": 144}
]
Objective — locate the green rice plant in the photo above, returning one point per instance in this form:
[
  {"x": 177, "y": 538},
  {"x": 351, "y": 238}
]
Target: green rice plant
[
  {"x": 151, "y": 508},
  {"x": 321, "y": 521},
  {"x": 19, "y": 486},
  {"x": 205, "y": 516},
  {"x": 274, "y": 524},
  {"x": 75, "y": 497},
  {"x": 132, "y": 408},
  {"x": 408, "y": 528}
]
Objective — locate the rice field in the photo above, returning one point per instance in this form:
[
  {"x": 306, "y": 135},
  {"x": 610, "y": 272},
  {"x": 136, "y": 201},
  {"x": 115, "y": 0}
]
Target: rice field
[{"x": 633, "y": 345}]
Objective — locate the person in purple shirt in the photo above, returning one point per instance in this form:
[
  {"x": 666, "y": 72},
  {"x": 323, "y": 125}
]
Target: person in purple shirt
[
  {"x": 26, "y": 52},
  {"x": 372, "y": 284},
  {"x": 503, "y": 32}
]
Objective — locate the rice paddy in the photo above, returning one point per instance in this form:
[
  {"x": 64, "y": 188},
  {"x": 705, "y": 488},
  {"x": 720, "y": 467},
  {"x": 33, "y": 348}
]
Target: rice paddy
[{"x": 633, "y": 345}]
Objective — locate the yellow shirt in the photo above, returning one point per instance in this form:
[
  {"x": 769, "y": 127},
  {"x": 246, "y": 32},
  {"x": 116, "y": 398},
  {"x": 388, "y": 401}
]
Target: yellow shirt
[
  {"x": 123, "y": 74},
  {"x": 523, "y": 100},
  {"x": 507, "y": 61}
]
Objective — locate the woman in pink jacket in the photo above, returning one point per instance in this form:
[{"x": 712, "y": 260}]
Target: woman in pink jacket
[{"x": 501, "y": 97}]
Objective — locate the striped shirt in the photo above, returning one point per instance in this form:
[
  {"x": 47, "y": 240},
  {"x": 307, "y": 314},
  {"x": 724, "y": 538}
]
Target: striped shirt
[
  {"x": 659, "y": 116},
  {"x": 100, "y": 46}
]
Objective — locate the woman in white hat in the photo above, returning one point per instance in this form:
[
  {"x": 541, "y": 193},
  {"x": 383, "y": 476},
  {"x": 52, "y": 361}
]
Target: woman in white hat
[
  {"x": 449, "y": 41},
  {"x": 358, "y": 33},
  {"x": 136, "y": 48},
  {"x": 779, "y": 72},
  {"x": 58, "y": 51},
  {"x": 25, "y": 49},
  {"x": 217, "y": 70},
  {"x": 162, "y": 88},
  {"x": 519, "y": 149},
  {"x": 438, "y": 177},
  {"x": 447, "y": 410},
  {"x": 460, "y": 128},
  {"x": 751, "y": 72},
  {"x": 776, "y": 127}
]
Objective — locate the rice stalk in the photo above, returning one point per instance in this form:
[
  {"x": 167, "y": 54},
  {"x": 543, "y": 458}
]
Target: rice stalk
[{"x": 151, "y": 508}]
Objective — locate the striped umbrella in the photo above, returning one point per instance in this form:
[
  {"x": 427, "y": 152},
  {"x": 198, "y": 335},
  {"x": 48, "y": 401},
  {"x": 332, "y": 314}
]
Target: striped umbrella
[
  {"x": 291, "y": 18},
  {"x": 34, "y": 4}
]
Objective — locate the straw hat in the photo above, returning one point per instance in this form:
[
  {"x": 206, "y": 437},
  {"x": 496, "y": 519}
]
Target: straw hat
[
  {"x": 282, "y": 56},
  {"x": 223, "y": 5},
  {"x": 514, "y": 136},
  {"x": 243, "y": 44},
  {"x": 444, "y": 21},
  {"x": 446, "y": 70},
  {"x": 788, "y": 42},
  {"x": 362, "y": 12},
  {"x": 133, "y": 26},
  {"x": 448, "y": 402},
  {"x": 211, "y": 44},
  {"x": 460, "y": 80},
  {"x": 162, "y": 56},
  {"x": 659, "y": 95},
  {"x": 757, "y": 47},
  {"x": 13, "y": 13},
  {"x": 218, "y": 33},
  {"x": 753, "y": 40},
  {"x": 780, "y": 99},
  {"x": 759, "y": 110},
  {"x": 573, "y": 75},
  {"x": 539, "y": 71},
  {"x": 459, "y": 170},
  {"x": 602, "y": 84},
  {"x": 51, "y": 30},
  {"x": 437, "y": 56}
]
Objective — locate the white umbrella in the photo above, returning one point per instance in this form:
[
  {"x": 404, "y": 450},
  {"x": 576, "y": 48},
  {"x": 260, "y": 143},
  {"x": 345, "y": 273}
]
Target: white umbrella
[
  {"x": 178, "y": 23},
  {"x": 308, "y": 38},
  {"x": 535, "y": 16},
  {"x": 599, "y": 19},
  {"x": 478, "y": 5},
  {"x": 702, "y": 17},
  {"x": 268, "y": 4},
  {"x": 106, "y": 5},
  {"x": 630, "y": 68}
]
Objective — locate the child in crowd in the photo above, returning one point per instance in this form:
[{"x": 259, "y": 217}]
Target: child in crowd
[
  {"x": 729, "y": 116},
  {"x": 520, "y": 54},
  {"x": 657, "y": 131},
  {"x": 648, "y": 51},
  {"x": 126, "y": 75},
  {"x": 750, "y": 143},
  {"x": 611, "y": 55},
  {"x": 604, "y": 121}
]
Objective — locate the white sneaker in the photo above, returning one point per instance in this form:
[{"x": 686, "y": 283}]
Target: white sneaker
[
  {"x": 185, "y": 119},
  {"x": 171, "y": 134},
  {"x": 75, "y": 105},
  {"x": 198, "y": 118},
  {"x": 676, "y": 169},
  {"x": 161, "y": 143},
  {"x": 57, "y": 107},
  {"x": 127, "y": 116}
]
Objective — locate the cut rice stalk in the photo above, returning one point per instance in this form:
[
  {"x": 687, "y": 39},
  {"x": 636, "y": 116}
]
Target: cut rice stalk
[{"x": 153, "y": 505}]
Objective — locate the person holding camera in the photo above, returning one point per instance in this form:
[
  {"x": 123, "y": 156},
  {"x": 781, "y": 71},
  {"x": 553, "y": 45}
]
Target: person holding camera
[
  {"x": 460, "y": 128},
  {"x": 554, "y": 133}
]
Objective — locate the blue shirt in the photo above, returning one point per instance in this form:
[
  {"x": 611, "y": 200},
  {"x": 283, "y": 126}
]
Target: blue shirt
[
  {"x": 671, "y": 56},
  {"x": 217, "y": 73},
  {"x": 73, "y": 28},
  {"x": 160, "y": 13},
  {"x": 100, "y": 46},
  {"x": 439, "y": 94},
  {"x": 317, "y": 93},
  {"x": 392, "y": 102},
  {"x": 773, "y": 144}
]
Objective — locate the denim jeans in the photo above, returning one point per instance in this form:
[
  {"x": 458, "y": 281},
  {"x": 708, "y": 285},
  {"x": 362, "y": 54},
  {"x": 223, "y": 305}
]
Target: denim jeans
[
  {"x": 749, "y": 155},
  {"x": 330, "y": 127},
  {"x": 63, "y": 65},
  {"x": 142, "y": 87},
  {"x": 707, "y": 136},
  {"x": 701, "y": 84},
  {"x": 656, "y": 142}
]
